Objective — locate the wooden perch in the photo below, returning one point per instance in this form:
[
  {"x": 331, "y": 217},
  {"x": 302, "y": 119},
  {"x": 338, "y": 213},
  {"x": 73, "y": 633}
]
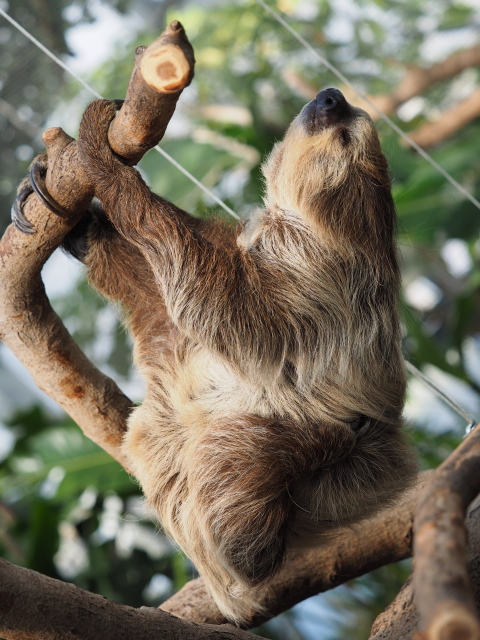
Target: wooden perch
[
  {"x": 35, "y": 607},
  {"x": 443, "y": 592},
  {"x": 400, "y": 619},
  {"x": 28, "y": 324},
  {"x": 161, "y": 72}
]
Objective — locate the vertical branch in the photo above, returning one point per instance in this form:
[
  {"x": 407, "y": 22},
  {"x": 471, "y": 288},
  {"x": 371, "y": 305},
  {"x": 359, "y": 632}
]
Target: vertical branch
[
  {"x": 28, "y": 324},
  {"x": 443, "y": 592}
]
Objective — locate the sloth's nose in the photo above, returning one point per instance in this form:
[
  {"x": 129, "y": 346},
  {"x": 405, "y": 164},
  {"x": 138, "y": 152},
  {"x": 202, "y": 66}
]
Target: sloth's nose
[
  {"x": 330, "y": 101},
  {"x": 328, "y": 109}
]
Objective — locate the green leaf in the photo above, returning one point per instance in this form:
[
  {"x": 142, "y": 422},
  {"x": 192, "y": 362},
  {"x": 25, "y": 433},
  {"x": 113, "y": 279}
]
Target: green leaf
[{"x": 82, "y": 461}]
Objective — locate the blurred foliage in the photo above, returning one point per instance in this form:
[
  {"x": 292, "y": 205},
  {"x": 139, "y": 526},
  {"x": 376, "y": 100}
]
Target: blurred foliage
[{"x": 67, "y": 509}]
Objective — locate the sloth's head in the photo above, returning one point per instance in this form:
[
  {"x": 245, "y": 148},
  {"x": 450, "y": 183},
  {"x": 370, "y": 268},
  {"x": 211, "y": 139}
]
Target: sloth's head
[{"x": 330, "y": 170}]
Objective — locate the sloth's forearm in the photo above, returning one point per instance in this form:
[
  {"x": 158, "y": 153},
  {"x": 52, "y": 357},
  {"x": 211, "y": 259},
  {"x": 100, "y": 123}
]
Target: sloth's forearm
[
  {"x": 211, "y": 291},
  {"x": 190, "y": 272}
]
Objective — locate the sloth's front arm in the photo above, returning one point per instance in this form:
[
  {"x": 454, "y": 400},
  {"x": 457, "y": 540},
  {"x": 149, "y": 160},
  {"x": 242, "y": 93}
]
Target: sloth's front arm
[{"x": 212, "y": 292}]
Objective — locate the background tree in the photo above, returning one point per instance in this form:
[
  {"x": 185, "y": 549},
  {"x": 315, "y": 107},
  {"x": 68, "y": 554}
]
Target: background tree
[{"x": 67, "y": 510}]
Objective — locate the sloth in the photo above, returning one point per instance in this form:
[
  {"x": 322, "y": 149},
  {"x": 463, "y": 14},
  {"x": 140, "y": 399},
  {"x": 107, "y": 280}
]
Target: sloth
[{"x": 271, "y": 351}]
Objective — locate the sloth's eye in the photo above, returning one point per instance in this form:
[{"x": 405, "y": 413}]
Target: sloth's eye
[
  {"x": 358, "y": 424},
  {"x": 344, "y": 136}
]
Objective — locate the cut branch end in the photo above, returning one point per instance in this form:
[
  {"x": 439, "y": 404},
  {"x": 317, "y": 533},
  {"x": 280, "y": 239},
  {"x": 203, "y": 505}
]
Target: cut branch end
[
  {"x": 166, "y": 68},
  {"x": 56, "y": 137},
  {"x": 454, "y": 623}
]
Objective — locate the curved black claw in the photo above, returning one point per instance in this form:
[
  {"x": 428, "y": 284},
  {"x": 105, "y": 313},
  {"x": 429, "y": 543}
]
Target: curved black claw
[
  {"x": 18, "y": 219},
  {"x": 37, "y": 180}
]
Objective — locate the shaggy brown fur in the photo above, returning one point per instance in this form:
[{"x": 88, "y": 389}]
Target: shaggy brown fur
[{"x": 275, "y": 378}]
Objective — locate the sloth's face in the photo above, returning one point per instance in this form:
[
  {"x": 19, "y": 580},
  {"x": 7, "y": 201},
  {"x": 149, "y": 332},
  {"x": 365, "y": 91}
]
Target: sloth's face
[
  {"x": 330, "y": 117},
  {"x": 329, "y": 161}
]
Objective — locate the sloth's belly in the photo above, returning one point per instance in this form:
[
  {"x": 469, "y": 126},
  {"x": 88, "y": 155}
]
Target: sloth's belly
[{"x": 207, "y": 388}]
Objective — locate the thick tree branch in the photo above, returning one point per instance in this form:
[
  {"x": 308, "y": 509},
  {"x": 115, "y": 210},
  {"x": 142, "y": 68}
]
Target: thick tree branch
[
  {"x": 28, "y": 324},
  {"x": 400, "y": 620},
  {"x": 35, "y": 607},
  {"x": 352, "y": 552},
  {"x": 443, "y": 591},
  {"x": 161, "y": 72}
]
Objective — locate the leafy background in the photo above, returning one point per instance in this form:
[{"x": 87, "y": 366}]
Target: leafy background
[{"x": 66, "y": 508}]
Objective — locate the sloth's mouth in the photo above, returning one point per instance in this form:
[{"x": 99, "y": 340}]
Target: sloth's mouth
[{"x": 328, "y": 109}]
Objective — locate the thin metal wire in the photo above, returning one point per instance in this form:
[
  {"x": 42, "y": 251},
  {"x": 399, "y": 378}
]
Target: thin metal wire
[
  {"x": 47, "y": 52},
  {"x": 409, "y": 365},
  {"x": 197, "y": 182},
  {"x": 441, "y": 394},
  {"x": 97, "y": 95},
  {"x": 382, "y": 115},
  {"x": 315, "y": 53}
]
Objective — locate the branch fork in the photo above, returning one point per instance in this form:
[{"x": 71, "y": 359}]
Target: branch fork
[{"x": 28, "y": 324}]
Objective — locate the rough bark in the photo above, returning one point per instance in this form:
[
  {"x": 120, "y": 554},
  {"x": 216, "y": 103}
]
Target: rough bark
[
  {"x": 34, "y": 332},
  {"x": 400, "y": 620},
  {"x": 35, "y": 607},
  {"x": 28, "y": 324},
  {"x": 443, "y": 591}
]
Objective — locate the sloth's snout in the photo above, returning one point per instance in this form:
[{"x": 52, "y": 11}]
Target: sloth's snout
[
  {"x": 329, "y": 108},
  {"x": 330, "y": 100}
]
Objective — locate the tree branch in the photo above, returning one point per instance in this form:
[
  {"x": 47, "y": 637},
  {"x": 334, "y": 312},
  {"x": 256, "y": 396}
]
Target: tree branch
[
  {"x": 443, "y": 591},
  {"x": 449, "y": 122},
  {"x": 35, "y": 607},
  {"x": 400, "y": 619},
  {"x": 28, "y": 324},
  {"x": 160, "y": 74}
]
